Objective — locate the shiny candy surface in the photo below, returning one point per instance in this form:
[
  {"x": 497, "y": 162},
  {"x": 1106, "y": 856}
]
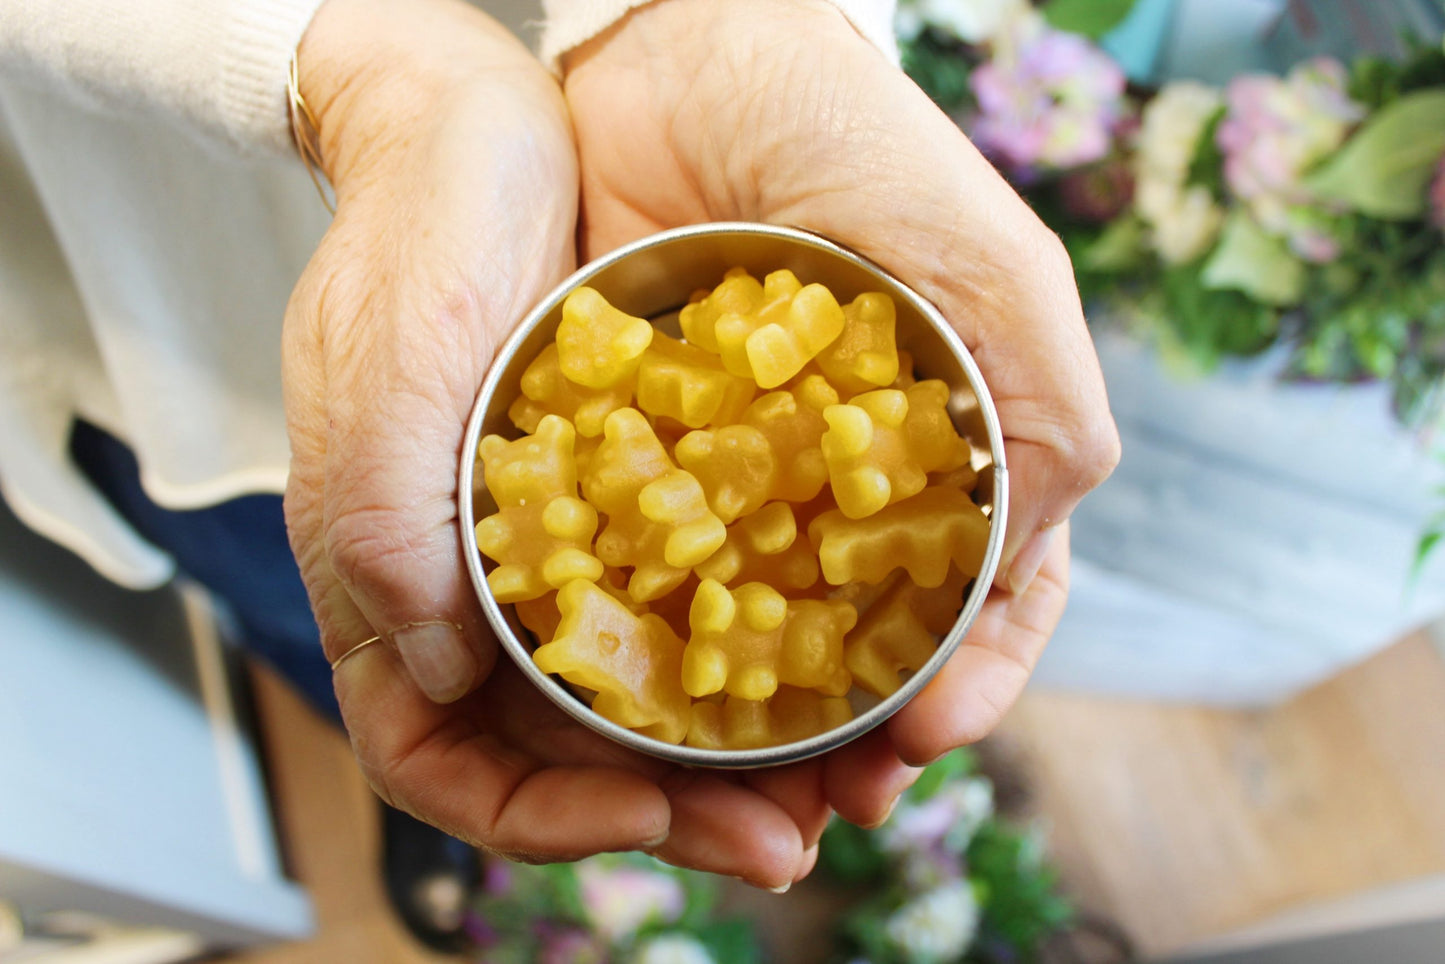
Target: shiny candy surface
[{"x": 773, "y": 514}]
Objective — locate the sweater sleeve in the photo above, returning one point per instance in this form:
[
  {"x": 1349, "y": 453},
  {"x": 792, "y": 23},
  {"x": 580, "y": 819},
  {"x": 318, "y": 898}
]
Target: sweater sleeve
[
  {"x": 570, "y": 23},
  {"x": 218, "y": 67}
]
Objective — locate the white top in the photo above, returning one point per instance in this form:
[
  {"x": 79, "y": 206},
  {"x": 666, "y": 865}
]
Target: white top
[{"x": 153, "y": 219}]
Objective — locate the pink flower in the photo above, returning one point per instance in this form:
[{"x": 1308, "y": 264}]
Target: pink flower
[
  {"x": 1275, "y": 130},
  {"x": 1046, "y": 99},
  {"x": 571, "y": 947}
]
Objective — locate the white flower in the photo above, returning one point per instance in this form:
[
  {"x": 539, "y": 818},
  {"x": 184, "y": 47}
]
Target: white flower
[
  {"x": 620, "y": 899},
  {"x": 1184, "y": 219},
  {"x": 908, "y": 21},
  {"x": 938, "y": 925},
  {"x": 1170, "y": 129},
  {"x": 672, "y": 949},
  {"x": 974, "y": 798},
  {"x": 972, "y": 21}
]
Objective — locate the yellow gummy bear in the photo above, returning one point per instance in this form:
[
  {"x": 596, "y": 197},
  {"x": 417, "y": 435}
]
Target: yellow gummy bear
[
  {"x": 748, "y": 640},
  {"x": 932, "y": 437},
  {"x": 545, "y": 390},
  {"x": 772, "y": 343},
  {"x": 865, "y": 356},
  {"x": 871, "y": 462},
  {"x": 921, "y": 535},
  {"x": 658, "y": 521},
  {"x": 764, "y": 547},
  {"x": 900, "y": 631},
  {"x": 541, "y": 533},
  {"x": 791, "y": 715},
  {"x": 792, "y": 420},
  {"x": 687, "y": 384},
  {"x": 632, "y": 662},
  {"x": 906, "y": 374},
  {"x": 673, "y": 606},
  {"x": 540, "y": 616},
  {"x": 738, "y": 294},
  {"x": 964, "y": 478},
  {"x": 735, "y": 465},
  {"x": 598, "y": 346}
]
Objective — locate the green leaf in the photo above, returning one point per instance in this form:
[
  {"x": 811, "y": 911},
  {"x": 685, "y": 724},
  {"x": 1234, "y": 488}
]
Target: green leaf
[
  {"x": 730, "y": 941},
  {"x": 848, "y": 854},
  {"x": 1206, "y": 168},
  {"x": 940, "y": 68},
  {"x": 1209, "y": 324},
  {"x": 1092, "y": 18},
  {"x": 955, "y": 766},
  {"x": 1423, "y": 550},
  {"x": 1121, "y": 247},
  {"x": 1255, "y": 263},
  {"x": 1384, "y": 170},
  {"x": 1023, "y": 904}
]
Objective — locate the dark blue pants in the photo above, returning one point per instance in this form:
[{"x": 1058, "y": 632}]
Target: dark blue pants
[{"x": 237, "y": 550}]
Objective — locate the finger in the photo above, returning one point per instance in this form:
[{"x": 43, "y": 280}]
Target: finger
[
  {"x": 725, "y": 828},
  {"x": 447, "y": 767},
  {"x": 810, "y": 860},
  {"x": 925, "y": 204},
  {"x": 864, "y": 779},
  {"x": 966, "y": 242},
  {"x": 386, "y": 342},
  {"x": 970, "y": 694},
  {"x": 798, "y": 789},
  {"x": 391, "y": 538},
  {"x": 303, "y": 376}
]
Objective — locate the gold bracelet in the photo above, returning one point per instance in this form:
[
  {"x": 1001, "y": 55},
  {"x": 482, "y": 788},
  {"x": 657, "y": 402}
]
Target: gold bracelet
[{"x": 306, "y": 134}]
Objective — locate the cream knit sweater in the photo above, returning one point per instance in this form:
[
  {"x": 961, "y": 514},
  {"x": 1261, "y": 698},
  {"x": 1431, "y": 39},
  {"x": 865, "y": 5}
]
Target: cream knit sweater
[{"x": 153, "y": 218}]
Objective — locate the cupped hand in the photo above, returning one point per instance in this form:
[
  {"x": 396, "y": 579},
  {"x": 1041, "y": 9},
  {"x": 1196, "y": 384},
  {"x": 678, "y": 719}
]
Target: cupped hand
[
  {"x": 456, "y": 183},
  {"x": 779, "y": 111}
]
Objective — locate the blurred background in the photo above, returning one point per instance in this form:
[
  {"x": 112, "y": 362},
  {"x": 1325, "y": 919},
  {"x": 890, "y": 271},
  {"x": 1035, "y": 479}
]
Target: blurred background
[{"x": 1234, "y": 748}]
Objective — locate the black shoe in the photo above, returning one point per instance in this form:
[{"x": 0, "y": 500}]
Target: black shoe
[{"x": 430, "y": 878}]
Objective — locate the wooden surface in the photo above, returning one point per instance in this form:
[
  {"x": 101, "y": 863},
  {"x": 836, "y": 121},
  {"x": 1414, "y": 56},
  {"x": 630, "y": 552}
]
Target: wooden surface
[
  {"x": 1182, "y": 824},
  {"x": 328, "y": 820}
]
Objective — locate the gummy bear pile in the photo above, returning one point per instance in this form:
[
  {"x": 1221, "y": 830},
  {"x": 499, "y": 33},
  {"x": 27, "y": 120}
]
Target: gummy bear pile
[{"x": 724, "y": 537}]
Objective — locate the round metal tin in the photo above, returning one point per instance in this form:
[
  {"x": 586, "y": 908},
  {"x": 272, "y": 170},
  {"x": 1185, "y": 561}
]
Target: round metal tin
[{"x": 653, "y": 278}]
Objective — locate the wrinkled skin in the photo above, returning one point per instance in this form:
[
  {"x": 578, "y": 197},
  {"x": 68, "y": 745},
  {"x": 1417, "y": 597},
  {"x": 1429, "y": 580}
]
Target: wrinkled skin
[{"x": 457, "y": 176}]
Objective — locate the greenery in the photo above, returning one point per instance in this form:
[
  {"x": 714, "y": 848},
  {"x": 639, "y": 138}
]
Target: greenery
[
  {"x": 944, "y": 881},
  {"x": 1017, "y": 896},
  {"x": 1338, "y": 264}
]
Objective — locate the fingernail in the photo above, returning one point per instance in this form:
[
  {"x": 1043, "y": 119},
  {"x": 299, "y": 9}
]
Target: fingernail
[
  {"x": 1026, "y": 564},
  {"x": 438, "y": 658},
  {"x": 781, "y": 888}
]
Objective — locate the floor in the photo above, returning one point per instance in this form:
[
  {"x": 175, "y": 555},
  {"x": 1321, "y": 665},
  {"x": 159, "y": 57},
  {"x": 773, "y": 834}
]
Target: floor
[
  {"x": 1182, "y": 824},
  {"x": 327, "y": 820},
  {"x": 1178, "y": 823}
]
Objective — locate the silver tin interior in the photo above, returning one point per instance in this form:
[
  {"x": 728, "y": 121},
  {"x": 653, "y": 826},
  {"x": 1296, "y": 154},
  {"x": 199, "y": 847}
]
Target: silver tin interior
[{"x": 653, "y": 278}]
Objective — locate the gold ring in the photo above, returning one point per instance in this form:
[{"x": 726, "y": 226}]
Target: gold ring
[{"x": 352, "y": 652}]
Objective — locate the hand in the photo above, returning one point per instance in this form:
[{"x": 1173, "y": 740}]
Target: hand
[
  {"x": 762, "y": 110},
  {"x": 456, "y": 181}
]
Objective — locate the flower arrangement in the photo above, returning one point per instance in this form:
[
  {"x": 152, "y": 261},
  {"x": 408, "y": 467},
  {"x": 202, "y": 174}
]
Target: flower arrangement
[
  {"x": 1301, "y": 213},
  {"x": 944, "y": 880}
]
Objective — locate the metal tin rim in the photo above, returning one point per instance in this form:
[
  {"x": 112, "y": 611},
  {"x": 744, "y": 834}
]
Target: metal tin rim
[{"x": 765, "y": 756}]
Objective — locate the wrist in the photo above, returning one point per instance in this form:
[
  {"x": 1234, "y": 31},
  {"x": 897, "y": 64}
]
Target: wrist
[
  {"x": 690, "y": 30},
  {"x": 375, "y": 73}
]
